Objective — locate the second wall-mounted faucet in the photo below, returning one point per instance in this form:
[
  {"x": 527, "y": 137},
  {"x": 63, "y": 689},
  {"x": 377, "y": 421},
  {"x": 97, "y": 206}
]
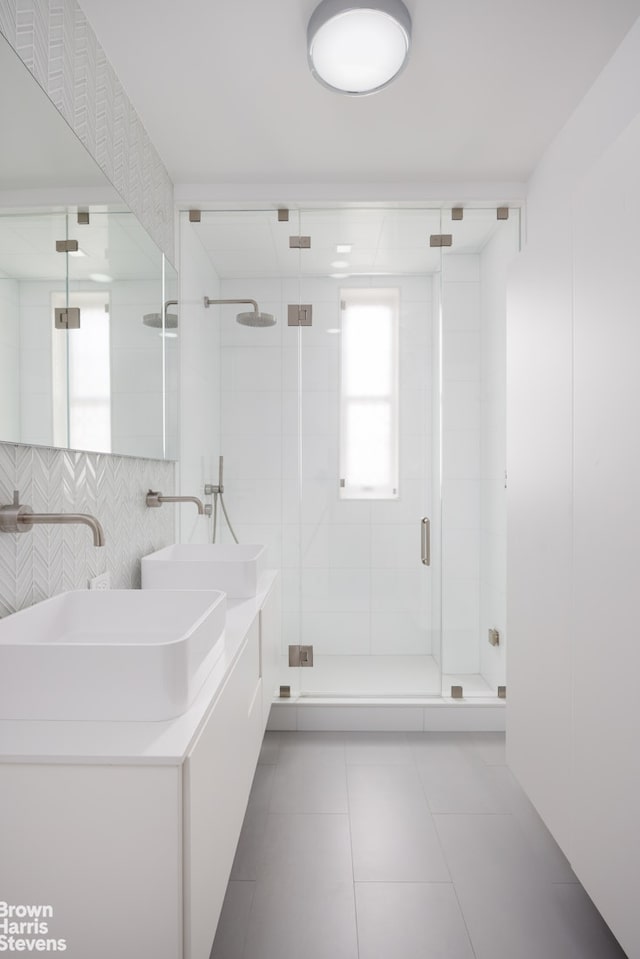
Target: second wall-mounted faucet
[{"x": 155, "y": 499}]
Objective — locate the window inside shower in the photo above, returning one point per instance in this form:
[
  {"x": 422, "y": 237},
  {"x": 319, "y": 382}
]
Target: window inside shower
[{"x": 369, "y": 393}]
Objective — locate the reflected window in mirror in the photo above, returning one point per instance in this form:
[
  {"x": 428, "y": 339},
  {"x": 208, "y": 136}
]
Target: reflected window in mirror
[{"x": 82, "y": 374}]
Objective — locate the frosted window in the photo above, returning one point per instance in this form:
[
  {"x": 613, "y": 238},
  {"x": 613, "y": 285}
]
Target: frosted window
[{"x": 369, "y": 394}]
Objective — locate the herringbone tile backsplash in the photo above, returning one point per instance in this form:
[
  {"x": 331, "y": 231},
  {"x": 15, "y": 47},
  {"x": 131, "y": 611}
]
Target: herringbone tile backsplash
[{"x": 52, "y": 559}]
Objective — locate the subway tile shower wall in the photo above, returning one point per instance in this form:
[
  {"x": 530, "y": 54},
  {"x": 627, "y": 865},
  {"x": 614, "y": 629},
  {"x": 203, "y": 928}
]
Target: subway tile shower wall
[
  {"x": 51, "y": 559},
  {"x": 58, "y": 45}
]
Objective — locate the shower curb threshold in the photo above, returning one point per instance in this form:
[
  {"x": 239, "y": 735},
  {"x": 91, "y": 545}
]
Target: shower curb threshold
[{"x": 428, "y": 714}]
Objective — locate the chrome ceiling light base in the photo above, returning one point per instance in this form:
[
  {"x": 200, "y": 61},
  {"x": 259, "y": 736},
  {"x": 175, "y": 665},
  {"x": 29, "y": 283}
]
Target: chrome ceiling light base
[{"x": 357, "y": 47}]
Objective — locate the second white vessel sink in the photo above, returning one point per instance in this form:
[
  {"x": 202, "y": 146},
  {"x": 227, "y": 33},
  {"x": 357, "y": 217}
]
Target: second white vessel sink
[
  {"x": 233, "y": 568},
  {"x": 109, "y": 654}
]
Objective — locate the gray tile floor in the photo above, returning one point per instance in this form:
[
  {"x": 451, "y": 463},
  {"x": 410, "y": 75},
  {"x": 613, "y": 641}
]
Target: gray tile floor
[{"x": 408, "y": 845}]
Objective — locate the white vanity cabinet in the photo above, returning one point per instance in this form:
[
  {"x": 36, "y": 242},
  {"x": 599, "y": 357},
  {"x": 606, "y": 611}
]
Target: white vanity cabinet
[
  {"x": 128, "y": 830},
  {"x": 216, "y": 779}
]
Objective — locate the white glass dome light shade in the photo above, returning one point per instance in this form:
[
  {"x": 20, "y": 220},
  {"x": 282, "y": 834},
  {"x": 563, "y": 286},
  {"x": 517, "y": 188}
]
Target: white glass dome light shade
[{"x": 358, "y": 46}]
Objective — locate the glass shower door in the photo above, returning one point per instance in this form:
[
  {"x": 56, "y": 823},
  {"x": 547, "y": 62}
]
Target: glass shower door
[{"x": 367, "y": 452}]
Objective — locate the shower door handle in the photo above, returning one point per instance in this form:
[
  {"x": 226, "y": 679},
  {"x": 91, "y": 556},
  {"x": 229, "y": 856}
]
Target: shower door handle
[{"x": 425, "y": 540}]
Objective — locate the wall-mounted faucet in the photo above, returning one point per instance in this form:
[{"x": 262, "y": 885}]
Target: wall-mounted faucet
[
  {"x": 156, "y": 499},
  {"x": 20, "y": 519}
]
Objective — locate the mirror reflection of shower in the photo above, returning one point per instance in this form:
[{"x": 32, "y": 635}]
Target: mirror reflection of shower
[
  {"x": 252, "y": 317},
  {"x": 217, "y": 493},
  {"x": 158, "y": 321}
]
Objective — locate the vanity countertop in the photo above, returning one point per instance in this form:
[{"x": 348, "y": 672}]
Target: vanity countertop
[{"x": 115, "y": 743}]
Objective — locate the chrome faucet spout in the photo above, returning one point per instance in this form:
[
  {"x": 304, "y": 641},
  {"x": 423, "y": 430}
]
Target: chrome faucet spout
[
  {"x": 155, "y": 499},
  {"x": 17, "y": 518},
  {"x": 66, "y": 519}
]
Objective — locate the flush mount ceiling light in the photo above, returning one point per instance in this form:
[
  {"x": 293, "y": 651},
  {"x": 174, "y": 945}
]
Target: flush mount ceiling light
[{"x": 358, "y": 46}]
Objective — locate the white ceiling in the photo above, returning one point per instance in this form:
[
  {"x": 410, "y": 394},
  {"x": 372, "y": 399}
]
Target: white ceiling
[{"x": 223, "y": 88}]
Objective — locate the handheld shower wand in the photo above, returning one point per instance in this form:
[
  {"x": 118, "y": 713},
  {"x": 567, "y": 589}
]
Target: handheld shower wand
[{"x": 217, "y": 491}]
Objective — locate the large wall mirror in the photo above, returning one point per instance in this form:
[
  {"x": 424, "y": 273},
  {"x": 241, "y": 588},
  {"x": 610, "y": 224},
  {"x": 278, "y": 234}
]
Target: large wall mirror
[{"x": 88, "y": 332}]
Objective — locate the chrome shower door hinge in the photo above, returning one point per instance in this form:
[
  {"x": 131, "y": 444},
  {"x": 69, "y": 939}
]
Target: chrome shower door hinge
[
  {"x": 299, "y": 314},
  {"x": 457, "y": 692},
  {"x": 441, "y": 239},
  {"x": 299, "y": 242},
  {"x": 502, "y": 692},
  {"x": 301, "y": 655},
  {"x": 67, "y": 318},
  {"x": 66, "y": 246},
  {"x": 494, "y": 637},
  {"x": 502, "y": 213}
]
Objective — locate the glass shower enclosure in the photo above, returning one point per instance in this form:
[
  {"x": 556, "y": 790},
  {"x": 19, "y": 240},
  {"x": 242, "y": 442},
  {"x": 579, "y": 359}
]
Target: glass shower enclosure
[{"x": 363, "y": 438}]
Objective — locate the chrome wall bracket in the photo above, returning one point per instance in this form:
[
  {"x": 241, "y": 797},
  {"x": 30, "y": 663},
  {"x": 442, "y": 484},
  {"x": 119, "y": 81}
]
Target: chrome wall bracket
[
  {"x": 283, "y": 215},
  {"x": 502, "y": 213},
  {"x": 494, "y": 637},
  {"x": 195, "y": 216},
  {"x": 457, "y": 213},
  {"x": 502, "y": 692},
  {"x": 441, "y": 239},
  {"x": 457, "y": 692}
]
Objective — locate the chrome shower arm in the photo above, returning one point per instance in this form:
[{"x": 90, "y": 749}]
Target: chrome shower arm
[{"x": 209, "y": 302}]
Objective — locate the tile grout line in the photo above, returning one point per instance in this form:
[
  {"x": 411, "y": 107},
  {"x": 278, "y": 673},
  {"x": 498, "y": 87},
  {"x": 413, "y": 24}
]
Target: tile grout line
[
  {"x": 353, "y": 876},
  {"x": 444, "y": 856}
]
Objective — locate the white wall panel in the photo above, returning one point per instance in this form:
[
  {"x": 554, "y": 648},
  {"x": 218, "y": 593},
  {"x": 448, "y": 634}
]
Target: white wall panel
[
  {"x": 606, "y": 656},
  {"x": 571, "y": 588}
]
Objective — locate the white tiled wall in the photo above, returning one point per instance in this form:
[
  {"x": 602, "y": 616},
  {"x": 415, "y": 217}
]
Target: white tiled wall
[
  {"x": 136, "y": 369},
  {"x": 199, "y": 337}
]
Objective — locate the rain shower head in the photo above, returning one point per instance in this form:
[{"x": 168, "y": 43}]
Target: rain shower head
[{"x": 251, "y": 318}]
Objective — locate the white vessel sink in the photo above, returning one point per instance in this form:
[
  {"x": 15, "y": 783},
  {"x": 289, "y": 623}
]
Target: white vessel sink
[
  {"x": 109, "y": 654},
  {"x": 234, "y": 569}
]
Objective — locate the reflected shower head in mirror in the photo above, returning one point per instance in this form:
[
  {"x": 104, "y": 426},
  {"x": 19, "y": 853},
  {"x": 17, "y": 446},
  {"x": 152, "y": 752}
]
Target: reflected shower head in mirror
[
  {"x": 155, "y": 319},
  {"x": 252, "y": 317}
]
